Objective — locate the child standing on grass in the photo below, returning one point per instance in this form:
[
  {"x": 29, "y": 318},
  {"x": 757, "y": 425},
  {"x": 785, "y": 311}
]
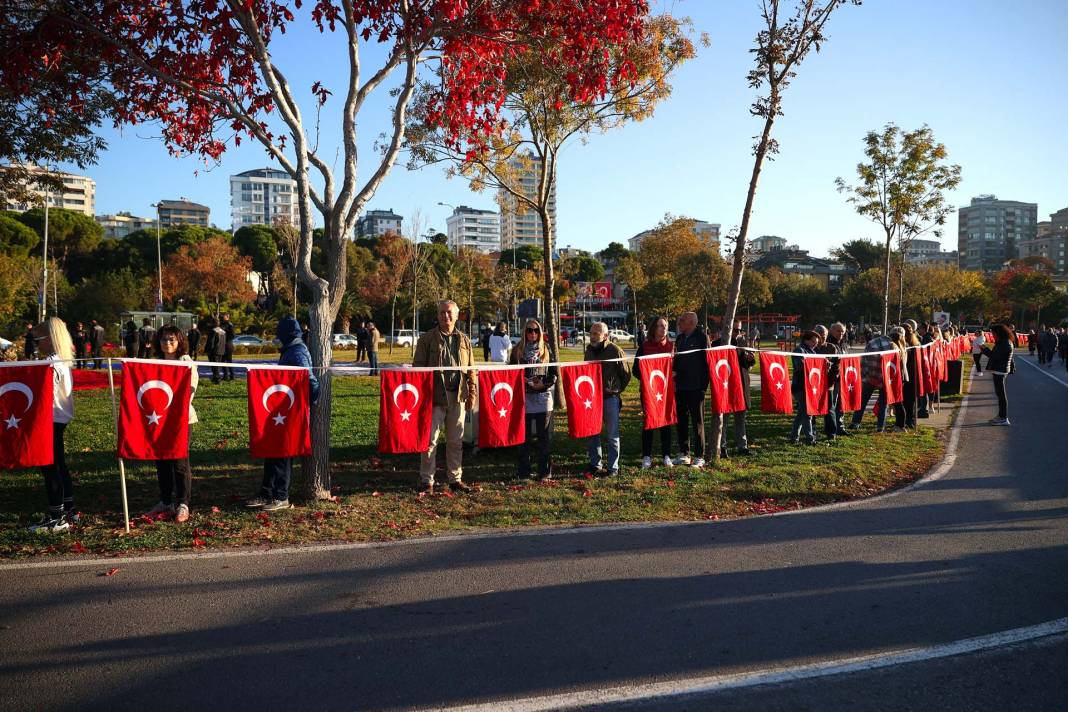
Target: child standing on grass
[
  {"x": 54, "y": 343},
  {"x": 175, "y": 476}
]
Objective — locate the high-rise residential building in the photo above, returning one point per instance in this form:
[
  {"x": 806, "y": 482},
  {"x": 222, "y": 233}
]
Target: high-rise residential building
[
  {"x": 1050, "y": 242},
  {"x": 120, "y": 225},
  {"x": 478, "y": 229},
  {"x": 375, "y": 223},
  {"x": 263, "y": 196},
  {"x": 989, "y": 231},
  {"x": 519, "y": 227},
  {"x": 768, "y": 243},
  {"x": 929, "y": 252},
  {"x": 79, "y": 194},
  {"x": 706, "y": 231},
  {"x": 175, "y": 213}
]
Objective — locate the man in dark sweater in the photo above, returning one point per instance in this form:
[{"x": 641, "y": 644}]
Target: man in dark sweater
[{"x": 691, "y": 383}]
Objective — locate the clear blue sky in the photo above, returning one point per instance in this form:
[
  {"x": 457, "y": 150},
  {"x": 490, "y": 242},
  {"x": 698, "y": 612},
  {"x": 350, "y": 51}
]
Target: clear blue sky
[{"x": 987, "y": 76}]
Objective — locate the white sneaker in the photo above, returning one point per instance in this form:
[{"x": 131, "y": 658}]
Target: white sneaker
[
  {"x": 682, "y": 460},
  {"x": 50, "y": 525},
  {"x": 667, "y": 461},
  {"x": 699, "y": 462},
  {"x": 647, "y": 462}
]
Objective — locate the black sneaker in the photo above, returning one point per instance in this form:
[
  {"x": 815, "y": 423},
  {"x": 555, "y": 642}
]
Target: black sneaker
[
  {"x": 50, "y": 525},
  {"x": 425, "y": 489},
  {"x": 275, "y": 504},
  {"x": 257, "y": 502},
  {"x": 723, "y": 454},
  {"x": 460, "y": 487}
]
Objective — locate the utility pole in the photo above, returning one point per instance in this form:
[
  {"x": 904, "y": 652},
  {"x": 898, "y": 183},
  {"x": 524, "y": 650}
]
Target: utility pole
[{"x": 43, "y": 302}]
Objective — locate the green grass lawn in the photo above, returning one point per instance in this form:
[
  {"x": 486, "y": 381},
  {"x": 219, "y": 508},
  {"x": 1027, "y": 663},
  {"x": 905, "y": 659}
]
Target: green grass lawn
[{"x": 375, "y": 494}]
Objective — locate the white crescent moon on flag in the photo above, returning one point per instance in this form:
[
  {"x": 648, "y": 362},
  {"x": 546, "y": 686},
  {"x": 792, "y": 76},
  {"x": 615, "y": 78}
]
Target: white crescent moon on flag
[
  {"x": 725, "y": 363},
  {"x": 853, "y": 370},
  {"x": 776, "y": 365},
  {"x": 814, "y": 372},
  {"x": 501, "y": 387},
  {"x": 405, "y": 387},
  {"x": 279, "y": 388},
  {"x": 656, "y": 372},
  {"x": 20, "y": 388},
  {"x": 585, "y": 379},
  {"x": 161, "y": 385}
]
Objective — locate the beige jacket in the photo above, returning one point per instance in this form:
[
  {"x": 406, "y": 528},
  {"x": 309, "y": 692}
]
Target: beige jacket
[{"x": 428, "y": 352}]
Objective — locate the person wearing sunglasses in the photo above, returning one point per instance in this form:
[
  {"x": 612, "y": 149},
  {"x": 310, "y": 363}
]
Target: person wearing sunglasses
[{"x": 538, "y": 383}]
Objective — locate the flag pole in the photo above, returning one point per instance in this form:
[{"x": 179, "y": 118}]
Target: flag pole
[{"x": 122, "y": 465}]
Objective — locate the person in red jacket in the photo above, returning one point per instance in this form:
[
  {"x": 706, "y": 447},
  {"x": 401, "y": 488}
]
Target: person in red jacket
[{"x": 656, "y": 343}]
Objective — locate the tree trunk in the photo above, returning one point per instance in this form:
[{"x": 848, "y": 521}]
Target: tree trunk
[
  {"x": 552, "y": 331},
  {"x": 886, "y": 283},
  {"x": 393, "y": 324},
  {"x": 901, "y": 290},
  {"x": 316, "y": 467}
]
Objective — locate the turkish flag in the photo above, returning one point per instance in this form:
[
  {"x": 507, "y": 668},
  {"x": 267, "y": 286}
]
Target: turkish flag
[
  {"x": 893, "y": 384},
  {"x": 921, "y": 371},
  {"x": 279, "y": 413},
  {"x": 502, "y": 405},
  {"x": 817, "y": 401},
  {"x": 154, "y": 411},
  {"x": 725, "y": 380},
  {"x": 26, "y": 416},
  {"x": 406, "y": 407},
  {"x": 775, "y": 384},
  {"x": 582, "y": 392},
  {"x": 658, "y": 391},
  {"x": 943, "y": 361},
  {"x": 849, "y": 383}
]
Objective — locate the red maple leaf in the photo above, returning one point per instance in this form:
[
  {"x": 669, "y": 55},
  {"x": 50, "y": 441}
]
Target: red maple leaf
[
  {"x": 112, "y": 571},
  {"x": 78, "y": 548}
]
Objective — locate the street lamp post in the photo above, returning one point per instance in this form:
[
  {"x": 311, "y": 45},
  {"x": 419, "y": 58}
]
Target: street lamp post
[{"x": 44, "y": 260}]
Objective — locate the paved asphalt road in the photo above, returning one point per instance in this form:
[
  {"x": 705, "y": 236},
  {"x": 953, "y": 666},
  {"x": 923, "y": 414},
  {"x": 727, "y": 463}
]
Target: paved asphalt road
[{"x": 470, "y": 620}]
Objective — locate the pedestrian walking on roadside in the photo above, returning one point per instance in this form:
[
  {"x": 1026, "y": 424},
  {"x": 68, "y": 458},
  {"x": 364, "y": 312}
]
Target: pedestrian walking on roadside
[
  {"x": 175, "y": 477},
  {"x": 53, "y": 342},
  {"x": 615, "y": 375},
  {"x": 29, "y": 344},
  {"x": 193, "y": 339},
  {"x": 500, "y": 344},
  {"x": 657, "y": 343},
  {"x": 373, "y": 337},
  {"x": 145, "y": 337},
  {"x": 999, "y": 362},
  {"x": 96, "y": 343},
  {"x": 228, "y": 348},
  {"x": 216, "y": 347},
  {"x": 484, "y": 340},
  {"x": 538, "y": 384},
  {"x": 978, "y": 342},
  {"x": 691, "y": 384},
  {"x": 278, "y": 472}
]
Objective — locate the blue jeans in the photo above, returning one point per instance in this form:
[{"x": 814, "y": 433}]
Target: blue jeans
[
  {"x": 611, "y": 424},
  {"x": 803, "y": 422},
  {"x": 880, "y": 407},
  {"x": 832, "y": 421},
  {"x": 277, "y": 472},
  {"x": 372, "y": 361}
]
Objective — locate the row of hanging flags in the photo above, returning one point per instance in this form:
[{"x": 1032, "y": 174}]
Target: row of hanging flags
[{"x": 154, "y": 399}]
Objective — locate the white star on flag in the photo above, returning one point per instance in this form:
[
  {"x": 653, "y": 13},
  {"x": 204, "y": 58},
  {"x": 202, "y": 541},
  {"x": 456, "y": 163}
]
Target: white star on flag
[
  {"x": 659, "y": 397},
  {"x": 724, "y": 384},
  {"x": 279, "y": 419},
  {"x": 850, "y": 386},
  {"x": 153, "y": 419},
  {"x": 588, "y": 404},
  {"x": 405, "y": 415},
  {"x": 502, "y": 412},
  {"x": 778, "y": 385},
  {"x": 13, "y": 422}
]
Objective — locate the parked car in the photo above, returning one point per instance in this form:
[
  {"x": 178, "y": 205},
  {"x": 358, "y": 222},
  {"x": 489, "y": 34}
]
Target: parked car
[
  {"x": 618, "y": 335},
  {"x": 345, "y": 341},
  {"x": 404, "y": 337},
  {"x": 248, "y": 340}
]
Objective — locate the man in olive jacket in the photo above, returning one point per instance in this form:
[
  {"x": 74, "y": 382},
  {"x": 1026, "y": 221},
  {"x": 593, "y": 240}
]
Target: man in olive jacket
[
  {"x": 454, "y": 395},
  {"x": 615, "y": 375}
]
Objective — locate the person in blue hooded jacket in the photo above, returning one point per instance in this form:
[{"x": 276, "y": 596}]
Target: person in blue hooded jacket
[{"x": 278, "y": 472}]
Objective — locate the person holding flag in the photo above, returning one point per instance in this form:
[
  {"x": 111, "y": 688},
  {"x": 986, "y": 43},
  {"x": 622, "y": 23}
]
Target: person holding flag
[
  {"x": 455, "y": 392},
  {"x": 53, "y": 342},
  {"x": 871, "y": 368},
  {"x": 278, "y": 472},
  {"x": 539, "y": 384},
  {"x": 803, "y": 421},
  {"x": 691, "y": 384},
  {"x": 615, "y": 375},
  {"x": 833, "y": 342},
  {"x": 175, "y": 476},
  {"x": 656, "y": 343},
  {"x": 746, "y": 360}
]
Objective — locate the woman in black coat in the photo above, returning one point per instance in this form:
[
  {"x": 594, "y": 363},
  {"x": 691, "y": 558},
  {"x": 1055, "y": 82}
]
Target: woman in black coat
[{"x": 999, "y": 363}]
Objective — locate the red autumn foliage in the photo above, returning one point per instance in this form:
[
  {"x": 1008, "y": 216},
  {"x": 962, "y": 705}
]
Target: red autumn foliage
[
  {"x": 112, "y": 571},
  {"x": 78, "y": 548}
]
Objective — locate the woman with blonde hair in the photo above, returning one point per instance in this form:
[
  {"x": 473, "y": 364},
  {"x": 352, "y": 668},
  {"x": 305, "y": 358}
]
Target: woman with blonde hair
[
  {"x": 538, "y": 383},
  {"x": 54, "y": 343}
]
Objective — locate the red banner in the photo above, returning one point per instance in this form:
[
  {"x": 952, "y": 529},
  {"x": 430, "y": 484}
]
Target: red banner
[
  {"x": 658, "y": 391},
  {"x": 893, "y": 383},
  {"x": 582, "y": 392},
  {"x": 921, "y": 371},
  {"x": 502, "y": 405},
  {"x": 775, "y": 384},
  {"x": 817, "y": 401},
  {"x": 405, "y": 409},
  {"x": 279, "y": 415},
  {"x": 154, "y": 411},
  {"x": 26, "y": 416},
  {"x": 849, "y": 383},
  {"x": 725, "y": 379}
]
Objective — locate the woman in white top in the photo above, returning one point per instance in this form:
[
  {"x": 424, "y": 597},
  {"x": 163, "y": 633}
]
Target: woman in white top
[
  {"x": 54, "y": 342},
  {"x": 175, "y": 476},
  {"x": 500, "y": 344},
  {"x": 977, "y": 351}
]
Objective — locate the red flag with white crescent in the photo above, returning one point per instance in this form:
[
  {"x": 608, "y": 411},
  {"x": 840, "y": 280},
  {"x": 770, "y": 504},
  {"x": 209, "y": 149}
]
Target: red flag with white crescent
[
  {"x": 893, "y": 383},
  {"x": 658, "y": 391},
  {"x": 817, "y": 400},
  {"x": 26, "y": 416},
  {"x": 405, "y": 409},
  {"x": 725, "y": 379},
  {"x": 279, "y": 414},
  {"x": 154, "y": 410},
  {"x": 582, "y": 392},
  {"x": 502, "y": 407},
  {"x": 849, "y": 383},
  {"x": 775, "y": 384},
  {"x": 921, "y": 371}
]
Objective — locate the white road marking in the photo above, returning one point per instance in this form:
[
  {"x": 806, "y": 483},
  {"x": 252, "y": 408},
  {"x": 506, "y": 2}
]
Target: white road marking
[
  {"x": 1044, "y": 372},
  {"x": 668, "y": 691}
]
